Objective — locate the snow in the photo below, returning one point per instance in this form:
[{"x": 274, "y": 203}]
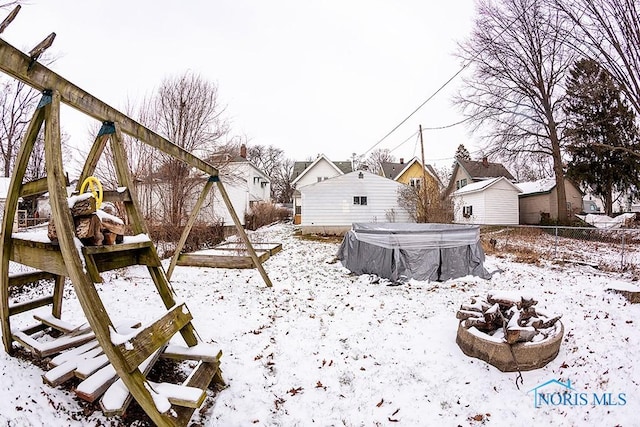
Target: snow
[
  {"x": 105, "y": 216},
  {"x": 539, "y": 186},
  {"x": 605, "y": 221},
  {"x": 78, "y": 198},
  {"x": 475, "y": 186},
  {"x": 323, "y": 347},
  {"x": 138, "y": 238}
]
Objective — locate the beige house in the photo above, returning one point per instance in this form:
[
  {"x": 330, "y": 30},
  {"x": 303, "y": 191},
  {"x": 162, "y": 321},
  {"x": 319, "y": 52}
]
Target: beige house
[{"x": 539, "y": 200}]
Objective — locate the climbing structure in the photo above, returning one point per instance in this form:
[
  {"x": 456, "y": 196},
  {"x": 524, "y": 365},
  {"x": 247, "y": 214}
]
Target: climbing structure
[{"x": 129, "y": 348}]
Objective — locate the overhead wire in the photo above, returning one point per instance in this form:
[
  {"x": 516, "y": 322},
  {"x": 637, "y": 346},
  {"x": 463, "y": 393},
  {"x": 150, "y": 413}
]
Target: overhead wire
[{"x": 464, "y": 66}]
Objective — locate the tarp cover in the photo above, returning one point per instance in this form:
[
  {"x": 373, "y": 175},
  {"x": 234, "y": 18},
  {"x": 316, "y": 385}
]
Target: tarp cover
[{"x": 398, "y": 251}]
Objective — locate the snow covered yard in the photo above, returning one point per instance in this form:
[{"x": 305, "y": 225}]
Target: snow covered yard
[{"x": 326, "y": 348}]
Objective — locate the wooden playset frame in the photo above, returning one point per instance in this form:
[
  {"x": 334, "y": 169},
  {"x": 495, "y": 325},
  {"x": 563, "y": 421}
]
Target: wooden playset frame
[{"x": 130, "y": 349}]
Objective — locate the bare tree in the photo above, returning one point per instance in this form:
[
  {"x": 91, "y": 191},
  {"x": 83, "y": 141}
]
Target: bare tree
[
  {"x": 187, "y": 111},
  {"x": 271, "y": 160},
  {"x": 608, "y": 31},
  {"x": 17, "y": 102},
  {"x": 376, "y": 158},
  {"x": 519, "y": 61},
  {"x": 424, "y": 203}
]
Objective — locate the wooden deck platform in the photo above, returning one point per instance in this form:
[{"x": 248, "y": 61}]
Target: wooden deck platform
[{"x": 229, "y": 255}]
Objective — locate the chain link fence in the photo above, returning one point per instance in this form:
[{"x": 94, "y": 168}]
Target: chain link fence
[{"x": 605, "y": 249}]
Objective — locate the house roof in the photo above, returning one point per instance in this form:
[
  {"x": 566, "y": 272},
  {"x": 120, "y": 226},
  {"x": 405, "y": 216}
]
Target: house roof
[
  {"x": 540, "y": 186},
  {"x": 393, "y": 170},
  {"x": 483, "y": 185},
  {"x": 483, "y": 169},
  {"x": 301, "y": 168}
]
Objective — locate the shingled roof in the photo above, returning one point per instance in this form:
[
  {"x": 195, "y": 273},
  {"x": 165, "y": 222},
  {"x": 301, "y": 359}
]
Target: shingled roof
[
  {"x": 483, "y": 169},
  {"x": 391, "y": 170},
  {"x": 299, "y": 167}
]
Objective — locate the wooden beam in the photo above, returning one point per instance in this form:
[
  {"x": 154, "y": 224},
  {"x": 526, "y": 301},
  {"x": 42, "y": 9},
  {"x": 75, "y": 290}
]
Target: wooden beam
[
  {"x": 37, "y": 186},
  {"x": 243, "y": 235},
  {"x": 10, "y": 206},
  {"x": 9, "y": 19},
  {"x": 189, "y": 226},
  {"x": 19, "y": 65}
]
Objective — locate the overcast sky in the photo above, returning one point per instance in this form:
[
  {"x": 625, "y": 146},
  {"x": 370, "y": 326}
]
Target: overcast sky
[{"x": 309, "y": 77}]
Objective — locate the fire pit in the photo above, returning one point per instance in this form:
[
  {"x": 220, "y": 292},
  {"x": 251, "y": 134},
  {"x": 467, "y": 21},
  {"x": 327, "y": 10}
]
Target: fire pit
[{"x": 507, "y": 331}]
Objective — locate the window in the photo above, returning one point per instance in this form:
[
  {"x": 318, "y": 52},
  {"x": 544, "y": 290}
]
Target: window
[
  {"x": 415, "y": 182},
  {"x": 463, "y": 182},
  {"x": 457, "y": 185},
  {"x": 360, "y": 200},
  {"x": 322, "y": 178},
  {"x": 467, "y": 211}
]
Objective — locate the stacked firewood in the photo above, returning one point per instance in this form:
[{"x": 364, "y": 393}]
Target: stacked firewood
[
  {"x": 503, "y": 315},
  {"x": 92, "y": 226}
]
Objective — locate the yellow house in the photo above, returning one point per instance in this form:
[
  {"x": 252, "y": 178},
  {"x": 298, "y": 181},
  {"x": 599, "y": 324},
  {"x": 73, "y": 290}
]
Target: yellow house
[{"x": 410, "y": 173}]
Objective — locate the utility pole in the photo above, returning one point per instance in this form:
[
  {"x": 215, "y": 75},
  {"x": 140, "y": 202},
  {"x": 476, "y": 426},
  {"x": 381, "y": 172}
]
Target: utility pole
[{"x": 423, "y": 199}]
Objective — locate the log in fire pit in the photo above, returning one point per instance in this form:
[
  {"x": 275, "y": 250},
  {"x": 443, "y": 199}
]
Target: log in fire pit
[{"x": 507, "y": 331}]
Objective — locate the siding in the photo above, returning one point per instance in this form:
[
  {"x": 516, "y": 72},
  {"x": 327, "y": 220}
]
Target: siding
[
  {"x": 531, "y": 206},
  {"x": 330, "y": 204},
  {"x": 495, "y": 204},
  {"x": 501, "y": 204},
  {"x": 321, "y": 169}
]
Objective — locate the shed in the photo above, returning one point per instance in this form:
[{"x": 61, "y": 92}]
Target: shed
[
  {"x": 402, "y": 251},
  {"x": 491, "y": 202},
  {"x": 331, "y": 206},
  {"x": 540, "y": 199}
]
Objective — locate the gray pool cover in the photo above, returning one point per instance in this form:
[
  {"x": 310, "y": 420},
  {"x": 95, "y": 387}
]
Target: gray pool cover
[{"x": 399, "y": 251}]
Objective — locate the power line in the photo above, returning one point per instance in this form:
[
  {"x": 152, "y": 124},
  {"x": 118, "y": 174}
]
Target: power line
[{"x": 450, "y": 79}]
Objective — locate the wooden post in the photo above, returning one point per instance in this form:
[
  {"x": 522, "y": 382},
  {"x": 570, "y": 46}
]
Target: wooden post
[
  {"x": 187, "y": 228},
  {"x": 10, "y": 207},
  {"x": 243, "y": 235},
  {"x": 423, "y": 200}
]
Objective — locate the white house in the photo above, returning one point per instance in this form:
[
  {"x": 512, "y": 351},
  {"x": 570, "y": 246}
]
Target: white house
[
  {"x": 311, "y": 172},
  {"x": 245, "y": 185},
  {"x": 243, "y": 181},
  {"x": 492, "y": 201},
  {"x": 331, "y": 206}
]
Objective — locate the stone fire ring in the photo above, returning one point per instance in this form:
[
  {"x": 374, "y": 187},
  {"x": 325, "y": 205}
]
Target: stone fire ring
[{"x": 530, "y": 355}]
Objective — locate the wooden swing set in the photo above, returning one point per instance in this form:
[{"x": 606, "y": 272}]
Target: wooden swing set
[{"x": 112, "y": 358}]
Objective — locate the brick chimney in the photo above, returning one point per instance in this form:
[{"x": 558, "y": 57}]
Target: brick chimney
[
  {"x": 243, "y": 151},
  {"x": 401, "y": 161},
  {"x": 485, "y": 162}
]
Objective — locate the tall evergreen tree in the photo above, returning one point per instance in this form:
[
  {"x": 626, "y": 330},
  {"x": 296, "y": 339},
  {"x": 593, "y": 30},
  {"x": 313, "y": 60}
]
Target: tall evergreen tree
[
  {"x": 599, "y": 120},
  {"x": 462, "y": 153}
]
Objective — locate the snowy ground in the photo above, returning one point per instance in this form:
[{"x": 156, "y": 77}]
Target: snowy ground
[{"x": 326, "y": 348}]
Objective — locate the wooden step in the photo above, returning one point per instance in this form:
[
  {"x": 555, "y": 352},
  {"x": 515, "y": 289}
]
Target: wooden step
[
  {"x": 29, "y": 305},
  {"x": 19, "y": 279},
  {"x": 61, "y": 325},
  {"x": 97, "y": 383},
  {"x": 200, "y": 378},
  {"x": 136, "y": 347},
  {"x": 200, "y": 351},
  {"x": 117, "y": 398},
  {"x": 65, "y": 371},
  {"x": 47, "y": 348},
  {"x": 178, "y": 394}
]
